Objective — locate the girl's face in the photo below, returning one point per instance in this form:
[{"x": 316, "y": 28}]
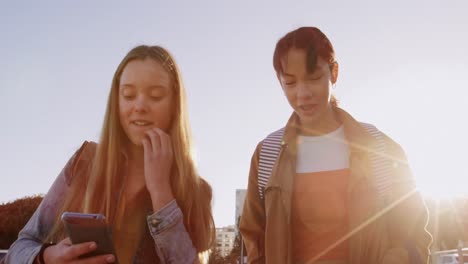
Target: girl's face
[
  {"x": 146, "y": 98},
  {"x": 308, "y": 93}
]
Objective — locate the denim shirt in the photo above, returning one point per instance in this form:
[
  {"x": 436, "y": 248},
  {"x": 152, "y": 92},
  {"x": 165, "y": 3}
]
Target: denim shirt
[{"x": 172, "y": 242}]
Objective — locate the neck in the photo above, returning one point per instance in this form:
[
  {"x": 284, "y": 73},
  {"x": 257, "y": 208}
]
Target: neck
[
  {"x": 136, "y": 165},
  {"x": 136, "y": 154},
  {"x": 326, "y": 124}
]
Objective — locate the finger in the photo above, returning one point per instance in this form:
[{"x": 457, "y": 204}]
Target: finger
[
  {"x": 66, "y": 241},
  {"x": 147, "y": 148},
  {"x": 74, "y": 251},
  {"x": 155, "y": 140},
  {"x": 166, "y": 145},
  {"x": 109, "y": 258}
]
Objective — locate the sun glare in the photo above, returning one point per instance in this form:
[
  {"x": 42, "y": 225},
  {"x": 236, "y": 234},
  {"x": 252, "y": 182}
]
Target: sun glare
[{"x": 443, "y": 188}]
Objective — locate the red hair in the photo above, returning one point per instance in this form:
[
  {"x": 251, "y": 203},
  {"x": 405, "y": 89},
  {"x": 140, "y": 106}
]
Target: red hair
[{"x": 310, "y": 39}]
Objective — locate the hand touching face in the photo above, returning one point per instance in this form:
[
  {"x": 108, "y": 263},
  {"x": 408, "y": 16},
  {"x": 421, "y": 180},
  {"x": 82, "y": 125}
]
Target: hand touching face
[{"x": 158, "y": 159}]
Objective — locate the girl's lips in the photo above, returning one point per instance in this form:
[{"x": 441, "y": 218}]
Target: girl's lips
[
  {"x": 142, "y": 127},
  {"x": 308, "y": 107},
  {"x": 141, "y": 123}
]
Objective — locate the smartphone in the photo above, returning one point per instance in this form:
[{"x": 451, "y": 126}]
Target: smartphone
[{"x": 82, "y": 227}]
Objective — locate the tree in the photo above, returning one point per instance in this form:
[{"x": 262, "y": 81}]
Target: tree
[
  {"x": 215, "y": 257},
  {"x": 13, "y": 217},
  {"x": 234, "y": 255}
]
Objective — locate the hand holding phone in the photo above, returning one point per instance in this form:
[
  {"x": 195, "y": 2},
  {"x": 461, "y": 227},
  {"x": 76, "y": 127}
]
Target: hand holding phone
[
  {"x": 64, "y": 252},
  {"x": 82, "y": 228}
]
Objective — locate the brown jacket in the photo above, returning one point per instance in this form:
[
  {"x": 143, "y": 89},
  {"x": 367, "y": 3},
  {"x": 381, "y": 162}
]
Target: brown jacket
[{"x": 265, "y": 224}]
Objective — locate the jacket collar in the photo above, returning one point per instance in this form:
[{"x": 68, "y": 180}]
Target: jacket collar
[{"x": 359, "y": 140}]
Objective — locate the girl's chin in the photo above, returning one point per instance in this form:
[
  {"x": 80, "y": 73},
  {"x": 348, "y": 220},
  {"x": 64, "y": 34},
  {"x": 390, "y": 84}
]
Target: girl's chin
[{"x": 137, "y": 142}]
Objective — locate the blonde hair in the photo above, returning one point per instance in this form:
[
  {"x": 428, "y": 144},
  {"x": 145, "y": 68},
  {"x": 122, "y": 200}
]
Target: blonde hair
[{"x": 192, "y": 193}]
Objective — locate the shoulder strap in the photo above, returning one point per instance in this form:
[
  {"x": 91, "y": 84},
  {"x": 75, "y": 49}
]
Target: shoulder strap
[
  {"x": 381, "y": 167},
  {"x": 269, "y": 152}
]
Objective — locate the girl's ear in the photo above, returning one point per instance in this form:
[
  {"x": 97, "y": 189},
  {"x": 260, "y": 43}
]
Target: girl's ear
[{"x": 334, "y": 72}]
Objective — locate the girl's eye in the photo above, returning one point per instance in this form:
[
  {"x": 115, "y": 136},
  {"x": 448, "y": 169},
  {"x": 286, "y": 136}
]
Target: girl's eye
[
  {"x": 315, "y": 78},
  {"x": 127, "y": 94},
  {"x": 156, "y": 96}
]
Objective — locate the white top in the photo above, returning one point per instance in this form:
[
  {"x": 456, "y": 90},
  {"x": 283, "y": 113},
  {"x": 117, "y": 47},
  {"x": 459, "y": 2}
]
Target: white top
[{"x": 327, "y": 152}]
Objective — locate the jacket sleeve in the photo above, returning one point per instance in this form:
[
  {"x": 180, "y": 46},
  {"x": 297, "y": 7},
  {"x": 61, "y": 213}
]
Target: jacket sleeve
[
  {"x": 172, "y": 241},
  {"x": 408, "y": 220},
  {"x": 252, "y": 224},
  {"x": 36, "y": 230}
]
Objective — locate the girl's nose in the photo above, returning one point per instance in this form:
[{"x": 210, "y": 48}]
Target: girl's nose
[
  {"x": 304, "y": 91},
  {"x": 141, "y": 104}
]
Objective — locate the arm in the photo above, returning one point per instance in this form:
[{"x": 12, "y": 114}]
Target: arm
[
  {"x": 32, "y": 236},
  {"x": 172, "y": 241},
  {"x": 252, "y": 224},
  {"x": 407, "y": 221}
]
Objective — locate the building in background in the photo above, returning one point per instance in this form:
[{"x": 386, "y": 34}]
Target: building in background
[
  {"x": 240, "y": 197},
  {"x": 225, "y": 237}
]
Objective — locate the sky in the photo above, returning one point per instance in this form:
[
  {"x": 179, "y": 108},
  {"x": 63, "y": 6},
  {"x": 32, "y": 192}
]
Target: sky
[{"x": 403, "y": 67}]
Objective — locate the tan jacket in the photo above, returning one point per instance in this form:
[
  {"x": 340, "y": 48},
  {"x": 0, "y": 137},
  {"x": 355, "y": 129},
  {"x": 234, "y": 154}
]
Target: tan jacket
[{"x": 265, "y": 224}]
